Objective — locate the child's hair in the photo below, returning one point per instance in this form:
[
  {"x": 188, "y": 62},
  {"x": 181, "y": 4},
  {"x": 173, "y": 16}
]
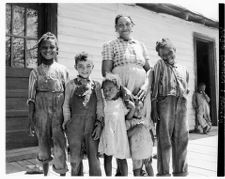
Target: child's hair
[
  {"x": 201, "y": 84},
  {"x": 48, "y": 36},
  {"x": 120, "y": 15},
  {"x": 115, "y": 79},
  {"x": 164, "y": 43},
  {"x": 83, "y": 56}
]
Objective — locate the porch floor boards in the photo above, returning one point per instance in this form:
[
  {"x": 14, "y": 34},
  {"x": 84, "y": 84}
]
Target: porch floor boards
[{"x": 202, "y": 159}]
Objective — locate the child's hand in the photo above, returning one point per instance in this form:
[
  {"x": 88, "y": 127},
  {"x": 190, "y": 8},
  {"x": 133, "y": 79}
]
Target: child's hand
[
  {"x": 97, "y": 132},
  {"x": 130, "y": 105},
  {"x": 64, "y": 125}
]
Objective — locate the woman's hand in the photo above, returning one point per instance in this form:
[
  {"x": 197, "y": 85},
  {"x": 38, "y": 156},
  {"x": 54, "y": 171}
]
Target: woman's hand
[{"x": 142, "y": 93}]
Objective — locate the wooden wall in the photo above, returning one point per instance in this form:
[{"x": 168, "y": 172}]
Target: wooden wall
[{"x": 85, "y": 27}]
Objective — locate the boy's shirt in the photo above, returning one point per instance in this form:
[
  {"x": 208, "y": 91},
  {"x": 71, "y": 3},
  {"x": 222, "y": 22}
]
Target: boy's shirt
[
  {"x": 71, "y": 86},
  {"x": 199, "y": 100},
  {"x": 169, "y": 80}
]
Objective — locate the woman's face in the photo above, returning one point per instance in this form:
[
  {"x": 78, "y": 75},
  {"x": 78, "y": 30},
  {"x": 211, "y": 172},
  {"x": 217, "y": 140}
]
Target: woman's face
[
  {"x": 124, "y": 27},
  {"x": 48, "y": 49},
  {"x": 110, "y": 90}
]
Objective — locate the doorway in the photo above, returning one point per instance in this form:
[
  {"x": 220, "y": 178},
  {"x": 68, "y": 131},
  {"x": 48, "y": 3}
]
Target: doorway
[{"x": 205, "y": 72}]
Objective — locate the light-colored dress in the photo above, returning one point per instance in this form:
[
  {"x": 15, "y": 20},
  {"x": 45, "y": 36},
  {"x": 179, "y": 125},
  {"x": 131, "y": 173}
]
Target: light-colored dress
[{"x": 114, "y": 140}]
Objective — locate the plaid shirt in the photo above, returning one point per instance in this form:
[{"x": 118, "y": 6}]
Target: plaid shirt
[
  {"x": 169, "y": 80},
  {"x": 125, "y": 52}
]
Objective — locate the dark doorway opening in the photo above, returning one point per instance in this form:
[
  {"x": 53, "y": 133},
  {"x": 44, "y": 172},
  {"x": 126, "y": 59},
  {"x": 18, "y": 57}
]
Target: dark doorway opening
[{"x": 205, "y": 70}]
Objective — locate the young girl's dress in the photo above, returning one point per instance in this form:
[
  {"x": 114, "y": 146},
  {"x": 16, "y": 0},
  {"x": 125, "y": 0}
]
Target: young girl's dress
[{"x": 114, "y": 140}]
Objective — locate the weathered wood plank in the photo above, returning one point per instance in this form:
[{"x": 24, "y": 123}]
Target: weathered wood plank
[
  {"x": 16, "y": 103},
  {"x": 17, "y": 72},
  {"x": 20, "y": 93}
]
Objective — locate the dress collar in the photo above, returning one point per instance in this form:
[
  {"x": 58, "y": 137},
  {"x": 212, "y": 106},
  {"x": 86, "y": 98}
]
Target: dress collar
[
  {"x": 129, "y": 41},
  {"x": 82, "y": 80}
]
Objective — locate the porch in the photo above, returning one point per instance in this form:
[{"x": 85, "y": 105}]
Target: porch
[{"x": 202, "y": 158}]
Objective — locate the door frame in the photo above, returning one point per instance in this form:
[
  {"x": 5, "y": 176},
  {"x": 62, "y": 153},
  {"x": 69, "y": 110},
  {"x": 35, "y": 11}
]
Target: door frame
[{"x": 212, "y": 71}]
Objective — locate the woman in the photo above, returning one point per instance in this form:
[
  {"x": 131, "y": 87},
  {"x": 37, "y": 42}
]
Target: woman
[{"x": 129, "y": 59}]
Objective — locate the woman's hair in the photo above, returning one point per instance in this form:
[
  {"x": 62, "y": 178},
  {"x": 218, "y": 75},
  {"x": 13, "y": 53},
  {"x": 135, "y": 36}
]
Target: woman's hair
[
  {"x": 165, "y": 42},
  {"x": 83, "y": 56},
  {"x": 115, "y": 79},
  {"x": 119, "y": 16},
  {"x": 47, "y": 36}
]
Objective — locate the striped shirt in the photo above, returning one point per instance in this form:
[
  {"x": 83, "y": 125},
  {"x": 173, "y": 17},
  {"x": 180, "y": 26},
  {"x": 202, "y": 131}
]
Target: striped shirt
[
  {"x": 169, "y": 80},
  {"x": 125, "y": 52},
  {"x": 47, "y": 78}
]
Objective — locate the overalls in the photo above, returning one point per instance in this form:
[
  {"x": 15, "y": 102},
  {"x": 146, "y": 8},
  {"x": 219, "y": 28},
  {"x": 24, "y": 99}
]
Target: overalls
[
  {"x": 79, "y": 131},
  {"x": 48, "y": 120}
]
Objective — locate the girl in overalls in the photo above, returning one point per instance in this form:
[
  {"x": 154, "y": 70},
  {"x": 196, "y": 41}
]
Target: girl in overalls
[{"x": 45, "y": 99}]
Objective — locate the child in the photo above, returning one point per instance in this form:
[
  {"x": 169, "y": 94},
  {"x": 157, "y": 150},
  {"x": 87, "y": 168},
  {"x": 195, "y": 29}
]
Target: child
[
  {"x": 169, "y": 107},
  {"x": 83, "y": 116},
  {"x": 45, "y": 99},
  {"x": 201, "y": 105},
  {"x": 140, "y": 140},
  {"x": 114, "y": 140}
]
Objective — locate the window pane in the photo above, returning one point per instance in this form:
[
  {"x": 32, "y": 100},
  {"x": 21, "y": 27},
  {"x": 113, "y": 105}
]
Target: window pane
[
  {"x": 7, "y": 45},
  {"x": 18, "y": 53},
  {"x": 31, "y": 54},
  {"x": 32, "y": 23},
  {"x": 18, "y": 21},
  {"x": 8, "y": 18}
]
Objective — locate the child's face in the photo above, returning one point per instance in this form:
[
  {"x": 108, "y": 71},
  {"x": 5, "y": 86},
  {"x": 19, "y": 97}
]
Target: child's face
[
  {"x": 84, "y": 68},
  {"x": 138, "y": 109},
  {"x": 110, "y": 90},
  {"x": 48, "y": 49},
  {"x": 124, "y": 27},
  {"x": 167, "y": 54},
  {"x": 202, "y": 88}
]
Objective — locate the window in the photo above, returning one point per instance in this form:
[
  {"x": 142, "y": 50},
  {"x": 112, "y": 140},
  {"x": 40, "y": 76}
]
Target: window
[{"x": 21, "y": 36}]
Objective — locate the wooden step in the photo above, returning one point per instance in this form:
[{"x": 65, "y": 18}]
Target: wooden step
[{"x": 21, "y": 154}]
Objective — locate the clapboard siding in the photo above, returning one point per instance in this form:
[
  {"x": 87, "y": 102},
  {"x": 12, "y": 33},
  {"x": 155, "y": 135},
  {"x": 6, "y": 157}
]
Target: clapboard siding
[{"x": 86, "y": 27}]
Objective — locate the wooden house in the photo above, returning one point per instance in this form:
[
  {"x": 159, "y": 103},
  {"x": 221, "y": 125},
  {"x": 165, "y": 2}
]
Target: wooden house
[{"x": 85, "y": 27}]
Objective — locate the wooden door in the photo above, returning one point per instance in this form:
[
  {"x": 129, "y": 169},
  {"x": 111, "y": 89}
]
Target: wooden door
[{"x": 25, "y": 23}]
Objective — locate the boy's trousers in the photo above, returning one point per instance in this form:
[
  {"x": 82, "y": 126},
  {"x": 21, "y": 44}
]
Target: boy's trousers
[
  {"x": 79, "y": 131},
  {"x": 172, "y": 133}
]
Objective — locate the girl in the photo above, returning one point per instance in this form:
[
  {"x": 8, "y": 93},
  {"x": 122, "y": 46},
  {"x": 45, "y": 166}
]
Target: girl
[
  {"x": 140, "y": 140},
  {"x": 45, "y": 99},
  {"x": 114, "y": 140}
]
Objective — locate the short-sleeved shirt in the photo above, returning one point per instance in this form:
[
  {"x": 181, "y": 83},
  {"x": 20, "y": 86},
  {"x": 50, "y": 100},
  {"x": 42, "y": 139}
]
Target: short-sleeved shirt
[
  {"x": 169, "y": 80},
  {"x": 123, "y": 52}
]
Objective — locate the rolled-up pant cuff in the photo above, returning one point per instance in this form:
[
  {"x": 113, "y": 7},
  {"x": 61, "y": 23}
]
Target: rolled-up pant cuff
[
  {"x": 60, "y": 171},
  {"x": 163, "y": 175},
  {"x": 43, "y": 161},
  {"x": 183, "y": 174}
]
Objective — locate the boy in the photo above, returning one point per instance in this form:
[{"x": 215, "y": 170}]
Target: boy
[
  {"x": 201, "y": 105},
  {"x": 169, "y": 102},
  {"x": 83, "y": 116}
]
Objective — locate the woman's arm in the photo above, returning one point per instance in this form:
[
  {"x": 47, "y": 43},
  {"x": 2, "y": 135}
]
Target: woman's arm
[{"x": 107, "y": 66}]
